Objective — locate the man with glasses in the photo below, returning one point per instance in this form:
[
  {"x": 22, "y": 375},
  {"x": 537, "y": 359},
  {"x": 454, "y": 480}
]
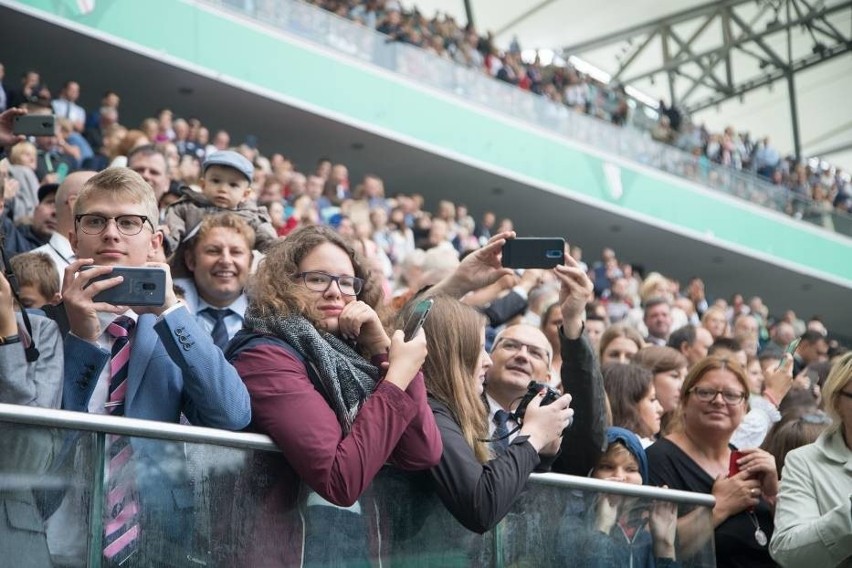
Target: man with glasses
[
  {"x": 152, "y": 362},
  {"x": 522, "y": 353}
]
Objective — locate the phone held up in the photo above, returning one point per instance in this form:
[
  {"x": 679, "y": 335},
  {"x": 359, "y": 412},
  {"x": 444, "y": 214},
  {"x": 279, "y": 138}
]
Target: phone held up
[
  {"x": 790, "y": 350},
  {"x": 35, "y": 125},
  {"x": 533, "y": 252},
  {"x": 142, "y": 286},
  {"x": 417, "y": 318}
]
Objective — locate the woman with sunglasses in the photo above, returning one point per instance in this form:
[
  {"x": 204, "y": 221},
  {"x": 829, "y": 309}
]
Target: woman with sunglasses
[
  {"x": 697, "y": 456},
  {"x": 338, "y": 396},
  {"x": 814, "y": 517}
]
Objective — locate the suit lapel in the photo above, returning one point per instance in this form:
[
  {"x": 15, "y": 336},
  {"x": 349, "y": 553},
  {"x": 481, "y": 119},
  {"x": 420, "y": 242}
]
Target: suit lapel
[{"x": 140, "y": 354}]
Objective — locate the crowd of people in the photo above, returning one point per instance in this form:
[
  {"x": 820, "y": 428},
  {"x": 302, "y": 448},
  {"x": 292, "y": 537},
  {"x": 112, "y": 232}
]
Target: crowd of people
[
  {"x": 283, "y": 295},
  {"x": 828, "y": 186}
]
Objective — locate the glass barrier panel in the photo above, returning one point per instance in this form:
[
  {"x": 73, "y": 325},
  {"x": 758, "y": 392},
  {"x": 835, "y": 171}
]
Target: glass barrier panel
[
  {"x": 71, "y": 499},
  {"x": 45, "y": 495},
  {"x": 561, "y": 526},
  {"x": 632, "y": 140}
]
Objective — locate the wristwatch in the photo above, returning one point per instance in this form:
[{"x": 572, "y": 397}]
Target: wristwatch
[{"x": 10, "y": 339}]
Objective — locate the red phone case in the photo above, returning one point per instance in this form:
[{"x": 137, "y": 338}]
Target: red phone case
[{"x": 733, "y": 466}]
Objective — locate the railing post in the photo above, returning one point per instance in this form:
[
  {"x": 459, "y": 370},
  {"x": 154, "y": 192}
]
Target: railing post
[
  {"x": 499, "y": 558},
  {"x": 96, "y": 510}
]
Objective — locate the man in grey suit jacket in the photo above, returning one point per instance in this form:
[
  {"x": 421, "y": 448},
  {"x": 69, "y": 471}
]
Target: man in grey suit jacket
[
  {"x": 26, "y": 452},
  {"x": 174, "y": 366}
]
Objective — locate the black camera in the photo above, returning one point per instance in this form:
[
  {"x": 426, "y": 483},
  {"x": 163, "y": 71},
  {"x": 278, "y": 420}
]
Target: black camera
[{"x": 532, "y": 391}]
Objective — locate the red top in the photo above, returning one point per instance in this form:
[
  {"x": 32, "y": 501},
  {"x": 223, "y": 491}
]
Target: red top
[{"x": 392, "y": 426}]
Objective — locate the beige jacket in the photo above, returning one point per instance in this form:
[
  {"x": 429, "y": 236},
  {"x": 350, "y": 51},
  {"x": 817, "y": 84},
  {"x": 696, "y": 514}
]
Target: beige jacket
[{"x": 813, "y": 518}]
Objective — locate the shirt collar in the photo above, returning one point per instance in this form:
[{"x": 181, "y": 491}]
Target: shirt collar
[{"x": 61, "y": 245}]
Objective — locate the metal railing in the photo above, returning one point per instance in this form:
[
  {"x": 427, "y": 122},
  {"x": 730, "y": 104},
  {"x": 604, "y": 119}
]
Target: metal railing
[{"x": 104, "y": 424}]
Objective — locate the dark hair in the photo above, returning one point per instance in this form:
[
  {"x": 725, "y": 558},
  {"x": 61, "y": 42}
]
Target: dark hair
[
  {"x": 725, "y": 343},
  {"x": 794, "y": 431},
  {"x": 813, "y": 336},
  {"x": 146, "y": 151},
  {"x": 654, "y": 302},
  {"x": 681, "y": 335},
  {"x": 625, "y": 386}
]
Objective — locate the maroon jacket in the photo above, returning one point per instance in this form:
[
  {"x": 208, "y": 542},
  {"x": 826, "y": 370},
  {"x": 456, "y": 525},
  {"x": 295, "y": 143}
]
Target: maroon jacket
[{"x": 393, "y": 426}]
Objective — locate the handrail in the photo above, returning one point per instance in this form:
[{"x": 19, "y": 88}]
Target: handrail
[
  {"x": 627, "y": 489},
  {"x": 133, "y": 427},
  {"x": 51, "y": 418}
]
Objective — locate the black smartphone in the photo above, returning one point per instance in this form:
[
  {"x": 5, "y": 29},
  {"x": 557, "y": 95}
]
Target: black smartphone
[
  {"x": 533, "y": 252},
  {"x": 35, "y": 125},
  {"x": 417, "y": 317},
  {"x": 142, "y": 286}
]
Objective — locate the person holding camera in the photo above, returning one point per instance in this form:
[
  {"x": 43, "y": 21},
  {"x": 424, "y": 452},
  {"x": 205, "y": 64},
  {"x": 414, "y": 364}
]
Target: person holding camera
[
  {"x": 477, "y": 485},
  {"x": 522, "y": 354}
]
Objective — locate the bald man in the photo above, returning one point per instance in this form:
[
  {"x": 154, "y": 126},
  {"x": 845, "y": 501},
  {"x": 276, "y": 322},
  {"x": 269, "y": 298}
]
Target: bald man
[{"x": 58, "y": 247}]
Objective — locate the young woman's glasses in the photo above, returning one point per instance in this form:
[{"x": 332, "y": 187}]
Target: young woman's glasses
[
  {"x": 128, "y": 225},
  {"x": 709, "y": 395},
  {"x": 320, "y": 282}
]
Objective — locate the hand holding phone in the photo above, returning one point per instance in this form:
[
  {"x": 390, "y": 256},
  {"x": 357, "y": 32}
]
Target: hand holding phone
[
  {"x": 417, "y": 318},
  {"x": 733, "y": 466},
  {"x": 790, "y": 350}
]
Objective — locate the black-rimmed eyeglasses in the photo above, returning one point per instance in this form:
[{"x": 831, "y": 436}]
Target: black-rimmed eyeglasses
[
  {"x": 709, "y": 395},
  {"x": 128, "y": 225},
  {"x": 321, "y": 281}
]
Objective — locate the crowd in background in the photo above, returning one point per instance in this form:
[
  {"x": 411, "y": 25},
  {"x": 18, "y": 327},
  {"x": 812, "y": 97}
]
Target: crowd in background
[
  {"x": 223, "y": 208},
  {"x": 444, "y": 36}
]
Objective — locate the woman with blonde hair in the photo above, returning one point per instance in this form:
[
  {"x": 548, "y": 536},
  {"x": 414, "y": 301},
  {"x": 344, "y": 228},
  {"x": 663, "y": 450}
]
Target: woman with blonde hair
[
  {"x": 813, "y": 522},
  {"x": 715, "y": 320}
]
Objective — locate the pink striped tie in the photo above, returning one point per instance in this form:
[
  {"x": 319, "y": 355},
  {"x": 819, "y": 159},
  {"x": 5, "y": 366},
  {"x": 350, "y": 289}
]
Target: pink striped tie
[{"x": 121, "y": 529}]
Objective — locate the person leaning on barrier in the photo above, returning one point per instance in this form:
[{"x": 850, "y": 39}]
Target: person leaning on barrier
[
  {"x": 337, "y": 395},
  {"x": 696, "y": 456},
  {"x": 478, "y": 487},
  {"x": 600, "y": 530},
  {"x": 813, "y": 519},
  {"x": 151, "y": 362}
]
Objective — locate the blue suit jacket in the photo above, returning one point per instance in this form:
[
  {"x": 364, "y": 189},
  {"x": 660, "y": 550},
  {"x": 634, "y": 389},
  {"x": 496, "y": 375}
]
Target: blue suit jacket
[{"x": 174, "y": 367}]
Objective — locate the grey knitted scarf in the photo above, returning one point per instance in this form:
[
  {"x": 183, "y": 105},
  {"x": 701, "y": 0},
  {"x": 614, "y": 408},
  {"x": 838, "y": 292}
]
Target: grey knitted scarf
[{"x": 346, "y": 378}]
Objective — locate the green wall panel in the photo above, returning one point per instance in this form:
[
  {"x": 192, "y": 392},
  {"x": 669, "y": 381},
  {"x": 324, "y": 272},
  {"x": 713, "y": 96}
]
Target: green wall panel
[{"x": 340, "y": 86}]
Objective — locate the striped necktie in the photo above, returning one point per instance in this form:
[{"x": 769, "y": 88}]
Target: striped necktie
[{"x": 121, "y": 526}]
